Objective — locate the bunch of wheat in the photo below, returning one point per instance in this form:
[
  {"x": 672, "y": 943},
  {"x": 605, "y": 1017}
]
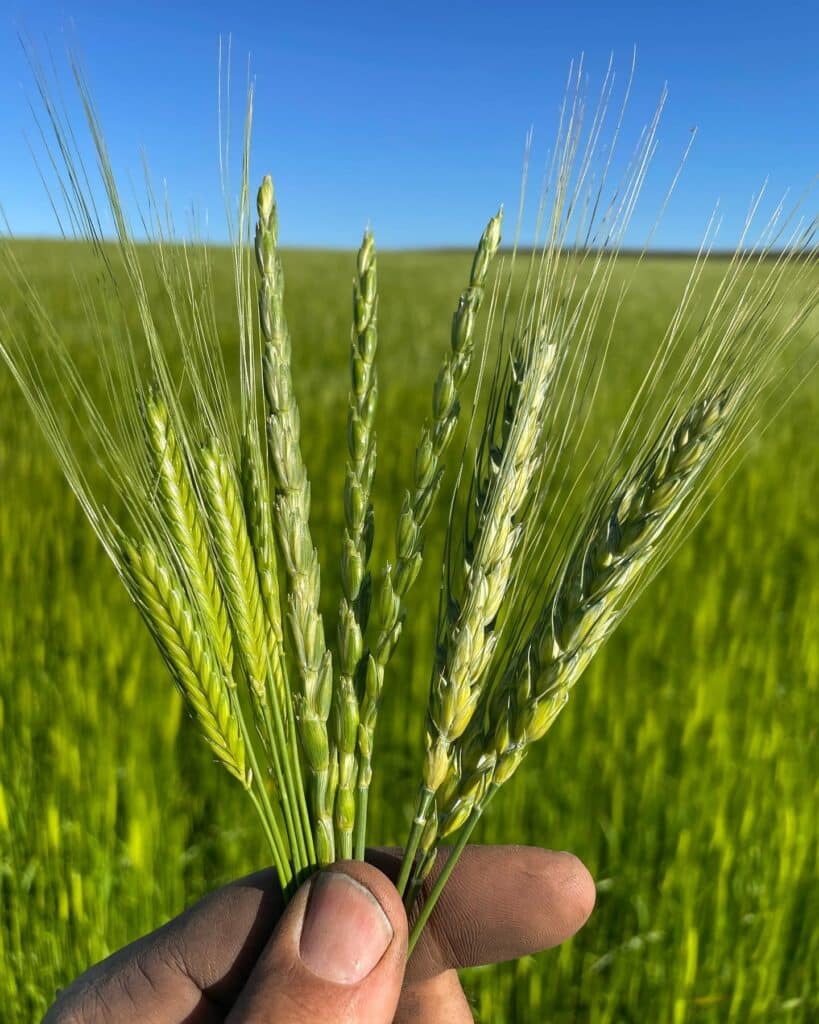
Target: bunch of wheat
[{"x": 212, "y": 536}]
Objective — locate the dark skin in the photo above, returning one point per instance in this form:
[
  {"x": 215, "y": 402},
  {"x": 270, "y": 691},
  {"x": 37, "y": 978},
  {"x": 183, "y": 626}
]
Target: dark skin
[{"x": 240, "y": 957}]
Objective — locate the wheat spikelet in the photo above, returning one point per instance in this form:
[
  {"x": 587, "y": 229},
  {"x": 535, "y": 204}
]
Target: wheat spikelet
[
  {"x": 510, "y": 453},
  {"x": 604, "y": 566},
  {"x": 182, "y": 518},
  {"x": 263, "y": 666},
  {"x": 292, "y": 510},
  {"x": 358, "y": 509},
  {"x": 260, "y": 534},
  {"x": 186, "y": 651}
]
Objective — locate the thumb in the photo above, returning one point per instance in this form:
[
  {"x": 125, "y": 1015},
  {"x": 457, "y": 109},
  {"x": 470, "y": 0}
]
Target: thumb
[{"x": 337, "y": 954}]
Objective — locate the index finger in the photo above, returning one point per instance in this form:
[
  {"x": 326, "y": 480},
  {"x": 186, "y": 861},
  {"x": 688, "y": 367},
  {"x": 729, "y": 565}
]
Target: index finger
[{"x": 501, "y": 903}]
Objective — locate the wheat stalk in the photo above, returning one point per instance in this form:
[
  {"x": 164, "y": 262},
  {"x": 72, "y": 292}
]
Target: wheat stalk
[
  {"x": 357, "y": 540},
  {"x": 282, "y": 729},
  {"x": 396, "y": 580},
  {"x": 601, "y": 575},
  {"x": 292, "y": 510},
  {"x": 510, "y": 454}
]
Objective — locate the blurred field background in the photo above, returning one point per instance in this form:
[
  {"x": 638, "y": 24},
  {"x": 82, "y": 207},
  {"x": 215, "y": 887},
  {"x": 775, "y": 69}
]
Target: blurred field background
[{"x": 683, "y": 772}]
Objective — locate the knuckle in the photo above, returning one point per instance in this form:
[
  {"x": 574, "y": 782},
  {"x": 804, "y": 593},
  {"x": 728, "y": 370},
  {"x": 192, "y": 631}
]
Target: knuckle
[{"x": 80, "y": 1004}]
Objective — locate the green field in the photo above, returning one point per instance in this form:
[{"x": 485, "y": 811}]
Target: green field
[{"x": 683, "y": 772}]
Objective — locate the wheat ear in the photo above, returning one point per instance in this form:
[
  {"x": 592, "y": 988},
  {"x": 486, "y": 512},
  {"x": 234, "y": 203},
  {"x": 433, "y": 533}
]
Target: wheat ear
[
  {"x": 510, "y": 453},
  {"x": 396, "y": 580},
  {"x": 292, "y": 513},
  {"x": 236, "y": 564},
  {"x": 358, "y": 538},
  {"x": 194, "y": 666},
  {"x": 600, "y": 578},
  {"x": 182, "y": 516},
  {"x": 263, "y": 667},
  {"x": 605, "y": 568}
]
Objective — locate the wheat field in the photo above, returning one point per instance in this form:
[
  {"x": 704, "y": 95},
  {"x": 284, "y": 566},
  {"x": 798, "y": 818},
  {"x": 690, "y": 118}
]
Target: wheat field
[{"x": 683, "y": 771}]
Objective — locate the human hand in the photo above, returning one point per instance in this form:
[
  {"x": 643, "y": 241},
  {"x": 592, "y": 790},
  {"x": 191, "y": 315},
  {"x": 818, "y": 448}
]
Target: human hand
[{"x": 337, "y": 952}]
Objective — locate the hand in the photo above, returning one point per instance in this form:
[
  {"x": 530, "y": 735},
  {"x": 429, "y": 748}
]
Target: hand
[{"x": 337, "y": 952}]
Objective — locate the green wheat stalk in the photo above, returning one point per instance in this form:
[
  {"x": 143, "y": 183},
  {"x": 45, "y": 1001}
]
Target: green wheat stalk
[
  {"x": 397, "y": 579},
  {"x": 281, "y": 730},
  {"x": 292, "y": 513},
  {"x": 358, "y": 537}
]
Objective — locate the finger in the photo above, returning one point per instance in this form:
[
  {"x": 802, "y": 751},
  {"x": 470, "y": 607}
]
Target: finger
[
  {"x": 436, "y": 1000},
  {"x": 336, "y": 956},
  {"x": 502, "y": 902},
  {"x": 190, "y": 969}
]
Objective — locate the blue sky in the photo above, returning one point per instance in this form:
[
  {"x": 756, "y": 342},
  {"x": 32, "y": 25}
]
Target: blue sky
[{"x": 412, "y": 116}]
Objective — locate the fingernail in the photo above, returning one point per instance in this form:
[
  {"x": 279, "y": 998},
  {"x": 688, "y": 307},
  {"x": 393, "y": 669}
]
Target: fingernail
[{"x": 345, "y": 931}]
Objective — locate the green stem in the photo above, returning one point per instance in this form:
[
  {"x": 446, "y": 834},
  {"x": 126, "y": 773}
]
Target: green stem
[
  {"x": 293, "y": 775},
  {"x": 281, "y": 869},
  {"x": 447, "y": 869},
  {"x": 284, "y": 782},
  {"x": 288, "y": 739},
  {"x": 418, "y": 823},
  {"x": 417, "y": 879},
  {"x": 301, "y": 796},
  {"x": 284, "y": 868},
  {"x": 361, "y": 822}
]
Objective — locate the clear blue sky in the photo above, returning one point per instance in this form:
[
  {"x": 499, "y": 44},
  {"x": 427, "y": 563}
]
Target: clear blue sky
[{"x": 412, "y": 116}]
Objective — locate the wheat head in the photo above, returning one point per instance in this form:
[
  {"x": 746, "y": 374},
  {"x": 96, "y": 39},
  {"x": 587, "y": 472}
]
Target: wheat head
[{"x": 292, "y": 512}]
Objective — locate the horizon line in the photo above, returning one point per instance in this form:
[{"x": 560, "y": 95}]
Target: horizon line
[{"x": 666, "y": 252}]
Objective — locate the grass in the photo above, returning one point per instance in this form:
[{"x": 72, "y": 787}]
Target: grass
[{"x": 682, "y": 771}]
